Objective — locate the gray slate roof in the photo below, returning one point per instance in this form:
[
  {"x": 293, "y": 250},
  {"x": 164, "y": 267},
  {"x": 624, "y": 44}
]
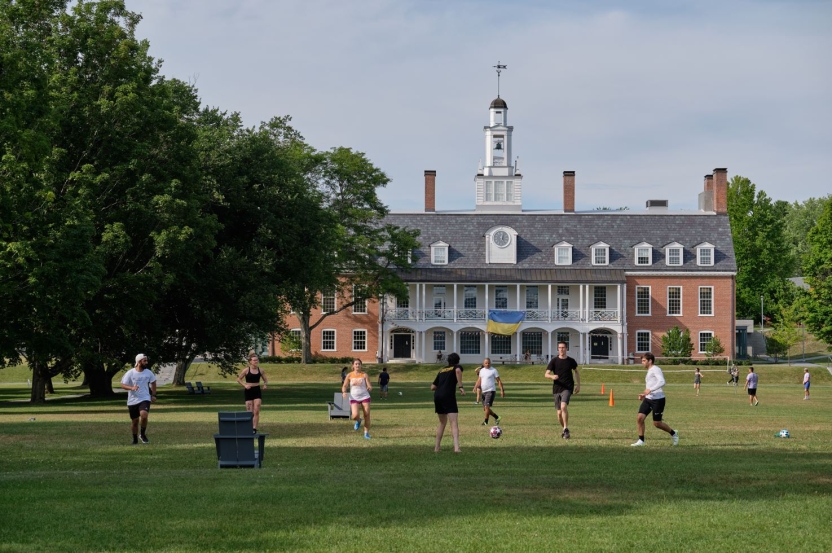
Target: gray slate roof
[{"x": 539, "y": 232}]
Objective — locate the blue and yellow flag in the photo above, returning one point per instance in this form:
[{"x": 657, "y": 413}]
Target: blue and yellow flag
[{"x": 504, "y": 322}]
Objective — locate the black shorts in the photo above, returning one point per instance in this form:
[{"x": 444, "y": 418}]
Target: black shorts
[
  {"x": 752, "y": 391},
  {"x": 655, "y": 405},
  {"x": 136, "y": 409},
  {"x": 445, "y": 405},
  {"x": 488, "y": 398},
  {"x": 253, "y": 393}
]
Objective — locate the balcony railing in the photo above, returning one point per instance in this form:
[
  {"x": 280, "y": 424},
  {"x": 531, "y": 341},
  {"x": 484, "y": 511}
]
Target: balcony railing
[
  {"x": 470, "y": 315},
  {"x": 603, "y": 315},
  {"x": 532, "y": 315},
  {"x": 438, "y": 315},
  {"x": 566, "y": 315}
]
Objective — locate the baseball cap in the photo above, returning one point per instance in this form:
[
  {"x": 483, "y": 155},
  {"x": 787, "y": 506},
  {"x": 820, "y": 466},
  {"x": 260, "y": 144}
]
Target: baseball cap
[{"x": 139, "y": 357}]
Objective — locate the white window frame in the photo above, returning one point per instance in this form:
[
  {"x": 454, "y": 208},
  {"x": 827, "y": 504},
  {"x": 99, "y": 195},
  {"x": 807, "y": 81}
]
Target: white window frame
[
  {"x": 334, "y": 296},
  {"x": 357, "y": 303},
  {"x": 649, "y": 340},
  {"x": 643, "y": 246},
  {"x": 299, "y": 334},
  {"x": 439, "y": 252},
  {"x": 649, "y": 301},
  {"x": 701, "y": 332},
  {"x": 444, "y": 340},
  {"x": 567, "y": 247},
  {"x": 681, "y": 310},
  {"x": 366, "y": 337},
  {"x": 562, "y": 334},
  {"x": 674, "y": 246},
  {"x": 600, "y": 246},
  {"x": 703, "y": 248},
  {"x": 711, "y": 288},
  {"x": 334, "y": 339}
]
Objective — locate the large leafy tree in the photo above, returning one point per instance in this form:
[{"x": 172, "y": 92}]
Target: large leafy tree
[
  {"x": 676, "y": 343},
  {"x": 801, "y": 217},
  {"x": 764, "y": 259},
  {"x": 818, "y": 301},
  {"x": 355, "y": 249}
]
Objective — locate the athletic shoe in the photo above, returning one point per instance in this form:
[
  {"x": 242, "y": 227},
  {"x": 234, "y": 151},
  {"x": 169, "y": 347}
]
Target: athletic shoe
[
  {"x": 675, "y": 437},
  {"x": 484, "y": 423},
  {"x": 357, "y": 425},
  {"x": 638, "y": 443},
  {"x": 756, "y": 403},
  {"x": 563, "y": 434},
  {"x": 366, "y": 436},
  {"x": 144, "y": 439},
  {"x": 499, "y": 420},
  {"x": 566, "y": 434}
]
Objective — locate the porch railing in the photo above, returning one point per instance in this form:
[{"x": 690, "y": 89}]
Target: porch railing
[{"x": 536, "y": 315}]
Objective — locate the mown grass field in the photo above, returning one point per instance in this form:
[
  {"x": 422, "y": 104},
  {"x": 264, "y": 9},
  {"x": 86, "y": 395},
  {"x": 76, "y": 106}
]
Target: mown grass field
[{"x": 69, "y": 481}]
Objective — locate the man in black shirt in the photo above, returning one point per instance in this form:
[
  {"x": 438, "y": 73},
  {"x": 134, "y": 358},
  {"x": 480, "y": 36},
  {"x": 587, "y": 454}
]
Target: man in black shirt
[
  {"x": 559, "y": 371},
  {"x": 383, "y": 381}
]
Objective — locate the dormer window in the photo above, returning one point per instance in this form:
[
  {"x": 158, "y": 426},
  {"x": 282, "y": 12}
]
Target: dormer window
[
  {"x": 563, "y": 253},
  {"x": 705, "y": 254},
  {"x": 673, "y": 254},
  {"x": 643, "y": 254},
  {"x": 600, "y": 254},
  {"x": 439, "y": 253}
]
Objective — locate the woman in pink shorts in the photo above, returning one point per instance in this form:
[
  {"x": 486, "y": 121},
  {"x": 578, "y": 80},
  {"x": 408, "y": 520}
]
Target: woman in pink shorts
[{"x": 360, "y": 388}]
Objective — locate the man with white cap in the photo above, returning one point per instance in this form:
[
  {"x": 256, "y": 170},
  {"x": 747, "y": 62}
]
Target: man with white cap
[{"x": 140, "y": 383}]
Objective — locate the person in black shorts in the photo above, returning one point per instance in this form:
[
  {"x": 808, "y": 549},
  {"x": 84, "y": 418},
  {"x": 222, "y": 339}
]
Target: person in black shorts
[
  {"x": 383, "y": 382},
  {"x": 559, "y": 371},
  {"x": 444, "y": 388},
  {"x": 249, "y": 379}
]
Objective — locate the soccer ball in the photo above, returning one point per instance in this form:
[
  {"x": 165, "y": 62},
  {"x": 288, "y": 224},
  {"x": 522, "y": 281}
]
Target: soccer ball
[
  {"x": 496, "y": 432},
  {"x": 784, "y": 433},
  {"x": 400, "y": 393}
]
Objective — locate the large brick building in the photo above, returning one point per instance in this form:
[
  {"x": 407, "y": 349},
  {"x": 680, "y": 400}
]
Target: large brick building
[{"x": 610, "y": 283}]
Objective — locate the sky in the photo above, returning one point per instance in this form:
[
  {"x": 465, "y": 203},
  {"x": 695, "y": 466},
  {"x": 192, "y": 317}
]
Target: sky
[{"x": 641, "y": 98}]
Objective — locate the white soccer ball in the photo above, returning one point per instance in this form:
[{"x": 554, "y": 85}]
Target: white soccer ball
[
  {"x": 400, "y": 393},
  {"x": 496, "y": 432},
  {"x": 784, "y": 433}
]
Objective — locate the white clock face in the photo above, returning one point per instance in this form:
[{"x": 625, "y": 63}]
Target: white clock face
[{"x": 502, "y": 238}]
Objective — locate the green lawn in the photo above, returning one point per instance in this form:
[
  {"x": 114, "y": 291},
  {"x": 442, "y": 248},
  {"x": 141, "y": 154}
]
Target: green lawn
[{"x": 70, "y": 482}]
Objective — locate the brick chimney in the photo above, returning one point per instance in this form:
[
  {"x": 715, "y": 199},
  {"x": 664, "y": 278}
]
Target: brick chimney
[
  {"x": 706, "y": 197},
  {"x": 709, "y": 183},
  {"x": 721, "y": 190},
  {"x": 430, "y": 191},
  {"x": 569, "y": 191}
]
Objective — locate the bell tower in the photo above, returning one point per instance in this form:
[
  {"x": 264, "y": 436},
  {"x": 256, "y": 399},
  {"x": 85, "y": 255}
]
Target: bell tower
[{"x": 499, "y": 184}]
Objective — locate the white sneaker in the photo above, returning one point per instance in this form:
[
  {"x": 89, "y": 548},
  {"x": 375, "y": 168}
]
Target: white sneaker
[
  {"x": 638, "y": 443},
  {"x": 675, "y": 438}
]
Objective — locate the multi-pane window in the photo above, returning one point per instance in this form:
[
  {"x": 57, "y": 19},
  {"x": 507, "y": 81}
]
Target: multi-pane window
[
  {"x": 470, "y": 297},
  {"x": 532, "y": 298},
  {"x": 501, "y": 297},
  {"x": 705, "y": 339},
  {"x": 296, "y": 339},
  {"x": 563, "y": 255},
  {"x": 674, "y": 301},
  {"x": 499, "y": 191},
  {"x": 439, "y": 340},
  {"x": 674, "y": 256},
  {"x": 469, "y": 343},
  {"x": 328, "y": 302},
  {"x": 440, "y": 255},
  {"x": 599, "y": 255},
  {"x": 359, "y": 340},
  {"x": 489, "y": 191},
  {"x": 533, "y": 343},
  {"x": 500, "y": 345},
  {"x": 643, "y": 256},
  {"x": 642, "y": 341},
  {"x": 706, "y": 256},
  {"x": 360, "y": 299},
  {"x": 327, "y": 340},
  {"x": 563, "y": 290},
  {"x": 706, "y": 300},
  {"x": 642, "y": 300},
  {"x": 600, "y": 298},
  {"x": 403, "y": 303},
  {"x": 563, "y": 337}
]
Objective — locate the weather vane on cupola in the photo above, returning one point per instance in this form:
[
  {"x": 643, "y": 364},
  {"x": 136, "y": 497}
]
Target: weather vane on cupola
[{"x": 499, "y": 68}]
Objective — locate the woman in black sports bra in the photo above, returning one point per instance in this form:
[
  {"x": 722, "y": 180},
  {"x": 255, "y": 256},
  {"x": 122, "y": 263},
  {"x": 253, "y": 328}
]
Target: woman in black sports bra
[{"x": 250, "y": 380}]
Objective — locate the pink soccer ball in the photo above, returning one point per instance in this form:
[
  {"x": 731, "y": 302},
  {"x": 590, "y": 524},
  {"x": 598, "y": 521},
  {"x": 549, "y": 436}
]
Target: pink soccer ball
[{"x": 496, "y": 432}]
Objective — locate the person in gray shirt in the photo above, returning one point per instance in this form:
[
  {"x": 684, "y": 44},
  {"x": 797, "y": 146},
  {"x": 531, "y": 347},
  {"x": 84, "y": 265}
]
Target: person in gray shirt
[{"x": 751, "y": 386}]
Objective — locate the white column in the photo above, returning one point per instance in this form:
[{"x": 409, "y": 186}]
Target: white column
[
  {"x": 620, "y": 348},
  {"x": 624, "y": 314},
  {"x": 424, "y": 339},
  {"x": 618, "y": 301},
  {"x": 418, "y": 303},
  {"x": 518, "y": 300},
  {"x": 455, "y": 308},
  {"x": 581, "y": 301},
  {"x": 581, "y": 345},
  {"x": 549, "y": 341},
  {"x": 487, "y": 341},
  {"x": 549, "y": 286},
  {"x": 453, "y": 339}
]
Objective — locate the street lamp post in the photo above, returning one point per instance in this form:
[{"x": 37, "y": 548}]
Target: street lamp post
[{"x": 762, "y": 316}]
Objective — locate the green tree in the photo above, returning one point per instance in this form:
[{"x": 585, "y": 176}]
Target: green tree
[
  {"x": 764, "y": 259},
  {"x": 677, "y": 343},
  {"x": 786, "y": 330},
  {"x": 818, "y": 300},
  {"x": 356, "y": 248},
  {"x": 714, "y": 348},
  {"x": 801, "y": 217}
]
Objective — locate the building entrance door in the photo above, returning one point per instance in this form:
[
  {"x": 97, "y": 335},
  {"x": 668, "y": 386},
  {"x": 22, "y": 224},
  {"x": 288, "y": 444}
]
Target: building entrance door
[
  {"x": 402, "y": 345},
  {"x": 600, "y": 347}
]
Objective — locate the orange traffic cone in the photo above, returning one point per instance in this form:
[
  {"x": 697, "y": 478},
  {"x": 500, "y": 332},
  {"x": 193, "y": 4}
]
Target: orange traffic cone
[
  {"x": 612, "y": 399},
  {"x": 602, "y": 388}
]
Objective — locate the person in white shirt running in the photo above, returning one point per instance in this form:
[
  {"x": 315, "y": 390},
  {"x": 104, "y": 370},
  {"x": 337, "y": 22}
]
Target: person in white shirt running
[
  {"x": 359, "y": 385},
  {"x": 488, "y": 380},
  {"x": 140, "y": 383},
  {"x": 806, "y": 383},
  {"x": 652, "y": 400}
]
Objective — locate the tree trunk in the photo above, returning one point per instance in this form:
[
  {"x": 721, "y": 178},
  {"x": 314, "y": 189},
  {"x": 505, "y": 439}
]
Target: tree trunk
[
  {"x": 182, "y": 366},
  {"x": 38, "y": 393},
  {"x": 305, "y": 337},
  {"x": 101, "y": 383},
  {"x": 50, "y": 389}
]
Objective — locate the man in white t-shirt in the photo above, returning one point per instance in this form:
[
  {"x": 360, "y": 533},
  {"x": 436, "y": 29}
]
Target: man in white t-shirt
[
  {"x": 488, "y": 380},
  {"x": 140, "y": 383},
  {"x": 652, "y": 399}
]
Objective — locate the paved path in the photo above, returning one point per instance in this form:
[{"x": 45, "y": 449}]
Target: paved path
[{"x": 165, "y": 375}]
